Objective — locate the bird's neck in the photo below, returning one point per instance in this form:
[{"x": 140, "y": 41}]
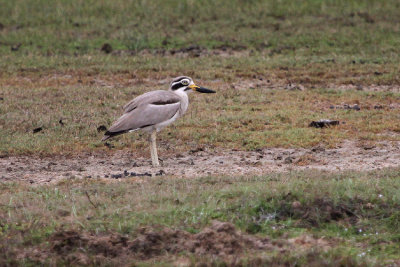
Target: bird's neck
[{"x": 184, "y": 101}]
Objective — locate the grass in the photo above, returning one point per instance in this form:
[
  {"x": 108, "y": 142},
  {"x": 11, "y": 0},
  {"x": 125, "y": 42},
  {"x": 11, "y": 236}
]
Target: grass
[
  {"x": 58, "y": 71},
  {"x": 355, "y": 212},
  {"x": 55, "y": 35},
  {"x": 242, "y": 119},
  {"x": 311, "y": 27},
  {"x": 55, "y": 75}
]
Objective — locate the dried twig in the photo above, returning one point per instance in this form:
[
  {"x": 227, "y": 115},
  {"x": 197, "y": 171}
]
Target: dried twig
[{"x": 91, "y": 202}]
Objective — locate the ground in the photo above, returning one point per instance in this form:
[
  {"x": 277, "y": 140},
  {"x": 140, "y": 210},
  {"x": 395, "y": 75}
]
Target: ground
[
  {"x": 200, "y": 162},
  {"x": 248, "y": 177}
]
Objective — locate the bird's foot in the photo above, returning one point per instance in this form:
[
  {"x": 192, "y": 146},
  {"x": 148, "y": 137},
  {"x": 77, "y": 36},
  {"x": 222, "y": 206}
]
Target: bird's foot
[{"x": 156, "y": 163}]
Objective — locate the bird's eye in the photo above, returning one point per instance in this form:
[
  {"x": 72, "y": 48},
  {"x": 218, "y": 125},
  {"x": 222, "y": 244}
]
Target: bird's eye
[{"x": 185, "y": 82}]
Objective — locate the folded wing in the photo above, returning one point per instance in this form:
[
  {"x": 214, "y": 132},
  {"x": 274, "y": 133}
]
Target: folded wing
[{"x": 145, "y": 110}]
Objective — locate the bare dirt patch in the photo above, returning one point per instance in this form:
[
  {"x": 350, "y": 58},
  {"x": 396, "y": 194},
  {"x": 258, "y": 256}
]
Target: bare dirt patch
[
  {"x": 200, "y": 162},
  {"x": 221, "y": 241}
]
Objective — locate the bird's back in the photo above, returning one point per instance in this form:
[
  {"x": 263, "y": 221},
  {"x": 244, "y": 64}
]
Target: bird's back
[
  {"x": 146, "y": 110},
  {"x": 159, "y": 97}
]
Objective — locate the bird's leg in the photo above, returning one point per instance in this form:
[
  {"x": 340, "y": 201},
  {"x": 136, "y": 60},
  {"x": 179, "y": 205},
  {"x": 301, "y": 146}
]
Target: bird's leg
[{"x": 153, "y": 149}]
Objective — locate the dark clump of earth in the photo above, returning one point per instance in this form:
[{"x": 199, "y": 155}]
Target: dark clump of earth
[
  {"x": 38, "y": 129},
  {"x": 320, "y": 210},
  {"x": 101, "y": 128},
  {"x": 134, "y": 174},
  {"x": 220, "y": 240},
  {"x": 323, "y": 123},
  {"x": 106, "y": 48}
]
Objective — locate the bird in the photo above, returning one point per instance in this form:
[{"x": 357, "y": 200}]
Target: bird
[{"x": 154, "y": 110}]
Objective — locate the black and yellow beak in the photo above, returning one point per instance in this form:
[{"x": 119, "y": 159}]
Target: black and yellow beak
[{"x": 201, "y": 89}]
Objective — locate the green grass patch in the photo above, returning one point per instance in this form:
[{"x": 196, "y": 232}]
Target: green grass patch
[{"x": 356, "y": 212}]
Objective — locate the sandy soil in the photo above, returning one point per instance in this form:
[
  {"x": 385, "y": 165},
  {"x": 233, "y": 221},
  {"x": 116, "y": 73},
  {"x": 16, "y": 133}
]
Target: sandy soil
[{"x": 201, "y": 162}]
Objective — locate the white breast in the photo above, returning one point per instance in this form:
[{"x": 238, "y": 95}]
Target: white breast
[{"x": 184, "y": 101}]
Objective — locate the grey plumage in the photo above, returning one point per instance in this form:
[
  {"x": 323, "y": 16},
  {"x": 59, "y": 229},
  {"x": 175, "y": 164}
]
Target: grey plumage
[
  {"x": 155, "y": 110},
  {"x": 146, "y": 111}
]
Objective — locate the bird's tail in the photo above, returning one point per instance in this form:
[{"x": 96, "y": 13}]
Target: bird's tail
[
  {"x": 108, "y": 134},
  {"x": 105, "y": 137}
]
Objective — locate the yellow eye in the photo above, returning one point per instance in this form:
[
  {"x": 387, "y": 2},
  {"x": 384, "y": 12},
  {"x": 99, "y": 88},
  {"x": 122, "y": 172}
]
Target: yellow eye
[{"x": 185, "y": 82}]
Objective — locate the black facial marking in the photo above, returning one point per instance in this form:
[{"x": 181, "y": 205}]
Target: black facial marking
[
  {"x": 178, "y": 80},
  {"x": 177, "y": 86}
]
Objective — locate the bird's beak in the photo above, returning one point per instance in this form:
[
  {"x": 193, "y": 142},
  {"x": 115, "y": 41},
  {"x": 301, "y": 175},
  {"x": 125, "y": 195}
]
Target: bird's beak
[{"x": 200, "y": 89}]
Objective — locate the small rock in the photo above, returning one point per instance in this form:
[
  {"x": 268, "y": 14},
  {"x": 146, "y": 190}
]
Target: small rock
[
  {"x": 354, "y": 107},
  {"x": 61, "y": 122},
  {"x": 317, "y": 149},
  {"x": 294, "y": 87},
  {"x": 134, "y": 164},
  {"x": 160, "y": 173},
  {"x": 198, "y": 149},
  {"x": 368, "y": 147},
  {"x": 116, "y": 176},
  {"x": 288, "y": 160}
]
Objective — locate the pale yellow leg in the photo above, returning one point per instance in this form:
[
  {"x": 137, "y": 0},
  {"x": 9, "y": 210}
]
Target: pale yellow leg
[{"x": 153, "y": 149}]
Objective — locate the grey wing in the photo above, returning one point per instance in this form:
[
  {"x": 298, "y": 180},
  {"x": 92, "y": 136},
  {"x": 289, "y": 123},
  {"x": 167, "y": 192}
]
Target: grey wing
[
  {"x": 159, "y": 96},
  {"x": 141, "y": 117}
]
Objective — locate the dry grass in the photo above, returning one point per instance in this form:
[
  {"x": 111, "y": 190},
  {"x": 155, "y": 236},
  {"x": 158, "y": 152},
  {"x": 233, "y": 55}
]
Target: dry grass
[
  {"x": 246, "y": 113},
  {"x": 55, "y": 76},
  {"x": 53, "y": 69}
]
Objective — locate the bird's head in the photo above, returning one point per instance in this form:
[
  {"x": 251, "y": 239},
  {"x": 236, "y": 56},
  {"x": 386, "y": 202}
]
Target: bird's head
[{"x": 186, "y": 84}]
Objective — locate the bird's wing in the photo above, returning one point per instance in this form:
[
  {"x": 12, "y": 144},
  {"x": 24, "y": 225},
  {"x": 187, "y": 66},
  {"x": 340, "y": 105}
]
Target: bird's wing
[
  {"x": 159, "y": 96},
  {"x": 146, "y": 110}
]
